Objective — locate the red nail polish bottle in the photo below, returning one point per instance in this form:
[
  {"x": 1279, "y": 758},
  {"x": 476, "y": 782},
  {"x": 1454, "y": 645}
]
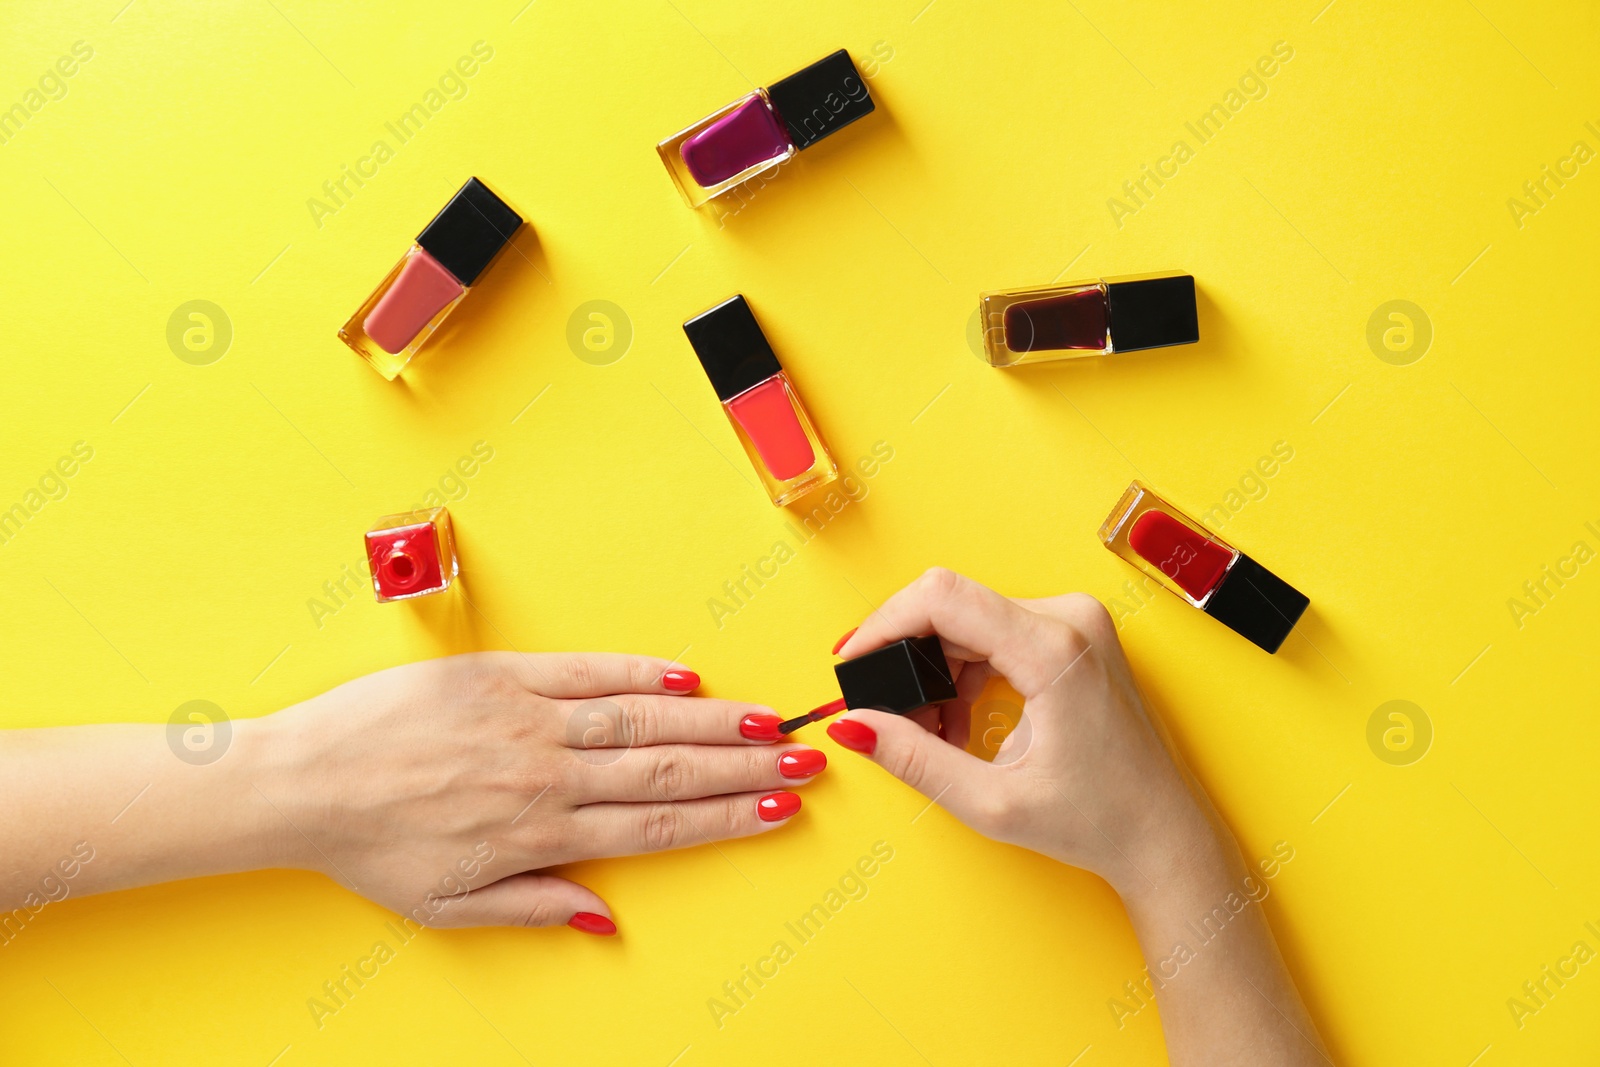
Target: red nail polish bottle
[
  {"x": 757, "y": 132},
  {"x": 1096, "y": 318},
  {"x": 412, "y": 555},
  {"x": 761, "y": 402},
  {"x": 1203, "y": 569},
  {"x": 431, "y": 278}
]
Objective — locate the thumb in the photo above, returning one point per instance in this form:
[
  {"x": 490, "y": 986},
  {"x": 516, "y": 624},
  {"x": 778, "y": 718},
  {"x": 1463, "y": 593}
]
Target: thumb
[
  {"x": 528, "y": 899},
  {"x": 940, "y": 771}
]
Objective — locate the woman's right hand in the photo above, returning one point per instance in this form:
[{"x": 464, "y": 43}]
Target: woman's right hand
[{"x": 1085, "y": 778}]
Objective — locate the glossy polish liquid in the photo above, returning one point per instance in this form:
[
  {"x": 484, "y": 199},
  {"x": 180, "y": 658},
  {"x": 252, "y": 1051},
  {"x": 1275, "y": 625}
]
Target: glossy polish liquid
[
  {"x": 767, "y": 416},
  {"x": 1194, "y": 562},
  {"x": 421, "y": 291},
  {"x": 1070, "y": 321},
  {"x": 405, "y": 560},
  {"x": 747, "y": 135}
]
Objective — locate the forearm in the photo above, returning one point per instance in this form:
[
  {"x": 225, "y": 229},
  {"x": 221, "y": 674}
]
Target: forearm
[
  {"x": 96, "y": 808},
  {"x": 1224, "y": 993}
]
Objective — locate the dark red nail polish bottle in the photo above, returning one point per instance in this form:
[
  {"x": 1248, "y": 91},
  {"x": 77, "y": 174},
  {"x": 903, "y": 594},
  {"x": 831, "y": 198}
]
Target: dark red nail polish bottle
[
  {"x": 761, "y": 402},
  {"x": 1096, "y": 318},
  {"x": 1202, "y": 568},
  {"x": 431, "y": 278},
  {"x": 412, "y": 554}
]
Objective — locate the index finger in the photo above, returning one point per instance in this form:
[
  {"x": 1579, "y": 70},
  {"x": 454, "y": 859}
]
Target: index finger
[
  {"x": 572, "y": 675},
  {"x": 972, "y": 616}
]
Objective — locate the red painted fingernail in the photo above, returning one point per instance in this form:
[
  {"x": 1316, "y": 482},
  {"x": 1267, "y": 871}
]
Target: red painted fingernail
[
  {"x": 590, "y": 923},
  {"x": 776, "y": 806},
  {"x": 802, "y": 763},
  {"x": 856, "y": 736},
  {"x": 680, "y": 681},
  {"x": 837, "y": 645},
  {"x": 759, "y": 727}
]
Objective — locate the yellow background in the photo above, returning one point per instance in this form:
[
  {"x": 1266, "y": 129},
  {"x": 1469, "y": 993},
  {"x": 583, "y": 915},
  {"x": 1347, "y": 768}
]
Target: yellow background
[{"x": 1419, "y": 498}]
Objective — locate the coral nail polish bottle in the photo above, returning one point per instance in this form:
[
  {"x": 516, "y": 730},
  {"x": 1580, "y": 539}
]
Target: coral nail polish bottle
[
  {"x": 757, "y": 132},
  {"x": 1203, "y": 569},
  {"x": 1096, "y": 318},
  {"x": 412, "y": 554},
  {"x": 761, "y": 402},
  {"x": 434, "y": 275}
]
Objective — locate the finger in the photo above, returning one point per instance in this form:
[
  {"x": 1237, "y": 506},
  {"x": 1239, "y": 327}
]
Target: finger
[
  {"x": 940, "y": 771},
  {"x": 956, "y": 715},
  {"x": 525, "y": 900},
  {"x": 574, "y": 675},
  {"x": 686, "y": 772},
  {"x": 631, "y": 829},
  {"x": 974, "y": 621},
  {"x": 639, "y": 720}
]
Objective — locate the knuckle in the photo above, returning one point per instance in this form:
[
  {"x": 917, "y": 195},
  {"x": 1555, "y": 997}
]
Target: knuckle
[
  {"x": 537, "y": 913},
  {"x": 1064, "y": 643},
  {"x": 637, "y": 723},
  {"x": 578, "y": 674},
  {"x": 661, "y": 828},
  {"x": 940, "y": 581},
  {"x": 909, "y": 764},
  {"x": 671, "y": 775},
  {"x": 1090, "y": 617}
]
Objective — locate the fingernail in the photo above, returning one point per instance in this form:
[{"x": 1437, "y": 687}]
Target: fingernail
[
  {"x": 680, "y": 681},
  {"x": 837, "y": 645},
  {"x": 856, "y": 736},
  {"x": 590, "y": 923},
  {"x": 776, "y": 806},
  {"x": 759, "y": 727},
  {"x": 802, "y": 763}
]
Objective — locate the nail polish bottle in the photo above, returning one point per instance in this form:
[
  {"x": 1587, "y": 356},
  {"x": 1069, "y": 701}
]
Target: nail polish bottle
[
  {"x": 761, "y": 402},
  {"x": 433, "y": 276},
  {"x": 899, "y": 679},
  {"x": 767, "y": 127},
  {"x": 412, "y": 554},
  {"x": 1095, "y": 318},
  {"x": 1202, "y": 568}
]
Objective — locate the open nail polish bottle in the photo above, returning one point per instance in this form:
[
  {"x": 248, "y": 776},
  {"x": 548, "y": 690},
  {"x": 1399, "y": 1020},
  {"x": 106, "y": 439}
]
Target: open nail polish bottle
[
  {"x": 1095, "y": 318},
  {"x": 433, "y": 276},
  {"x": 1202, "y": 568},
  {"x": 898, "y": 678},
  {"x": 760, "y": 131},
  {"x": 411, "y": 554},
  {"x": 761, "y": 402}
]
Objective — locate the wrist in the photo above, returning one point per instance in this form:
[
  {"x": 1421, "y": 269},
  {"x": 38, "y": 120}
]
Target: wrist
[
  {"x": 1187, "y": 857},
  {"x": 273, "y": 790}
]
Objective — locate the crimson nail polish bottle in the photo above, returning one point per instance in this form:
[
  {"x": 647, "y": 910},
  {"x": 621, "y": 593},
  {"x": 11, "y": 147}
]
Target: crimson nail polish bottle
[
  {"x": 1203, "y": 569},
  {"x": 757, "y": 132},
  {"x": 412, "y": 554},
  {"x": 1095, "y": 318},
  {"x": 433, "y": 276},
  {"x": 761, "y": 402}
]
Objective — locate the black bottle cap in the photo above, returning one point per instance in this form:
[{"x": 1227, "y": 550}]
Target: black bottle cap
[
  {"x": 821, "y": 99},
  {"x": 898, "y": 678},
  {"x": 1152, "y": 311},
  {"x": 470, "y": 231},
  {"x": 1257, "y": 603},
  {"x": 732, "y": 348}
]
